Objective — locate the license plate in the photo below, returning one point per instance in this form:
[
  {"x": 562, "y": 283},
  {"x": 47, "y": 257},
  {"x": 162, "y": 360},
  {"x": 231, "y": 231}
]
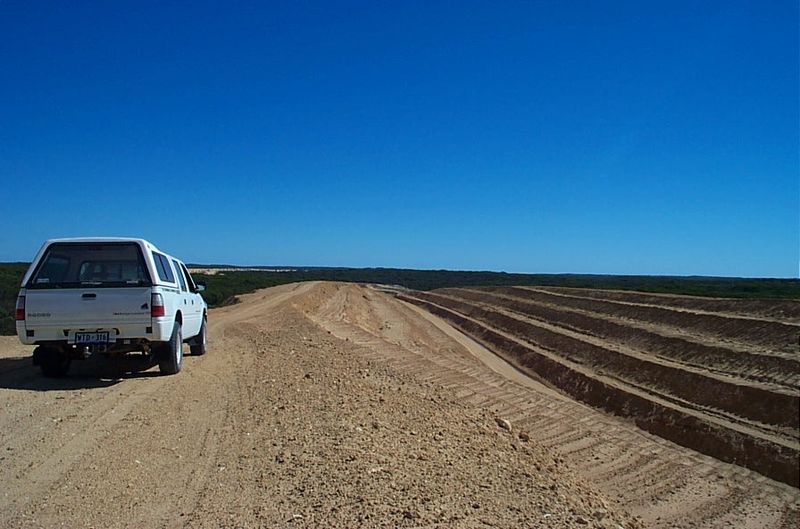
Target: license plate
[{"x": 91, "y": 337}]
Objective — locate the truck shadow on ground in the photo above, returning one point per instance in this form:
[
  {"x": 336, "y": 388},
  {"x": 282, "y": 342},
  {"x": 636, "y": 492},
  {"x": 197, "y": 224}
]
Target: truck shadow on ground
[{"x": 20, "y": 373}]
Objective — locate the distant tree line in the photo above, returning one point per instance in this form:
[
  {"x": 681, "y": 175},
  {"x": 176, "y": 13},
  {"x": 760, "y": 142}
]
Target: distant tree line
[
  {"x": 224, "y": 286},
  {"x": 10, "y": 278}
]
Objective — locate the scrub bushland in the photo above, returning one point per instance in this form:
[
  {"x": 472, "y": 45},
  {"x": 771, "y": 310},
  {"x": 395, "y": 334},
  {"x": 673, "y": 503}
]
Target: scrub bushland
[{"x": 224, "y": 286}]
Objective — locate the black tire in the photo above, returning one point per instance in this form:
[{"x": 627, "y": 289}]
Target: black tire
[
  {"x": 171, "y": 357},
  {"x": 54, "y": 364},
  {"x": 200, "y": 344}
]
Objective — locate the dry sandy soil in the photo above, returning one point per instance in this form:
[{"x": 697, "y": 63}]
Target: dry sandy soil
[{"x": 335, "y": 405}]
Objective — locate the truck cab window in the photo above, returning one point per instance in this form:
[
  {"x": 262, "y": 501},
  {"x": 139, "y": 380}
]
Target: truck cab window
[{"x": 180, "y": 275}]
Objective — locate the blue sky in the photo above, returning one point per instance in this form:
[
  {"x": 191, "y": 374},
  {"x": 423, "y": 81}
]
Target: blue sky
[{"x": 584, "y": 137}]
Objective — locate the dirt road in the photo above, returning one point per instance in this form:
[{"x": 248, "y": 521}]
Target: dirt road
[{"x": 329, "y": 405}]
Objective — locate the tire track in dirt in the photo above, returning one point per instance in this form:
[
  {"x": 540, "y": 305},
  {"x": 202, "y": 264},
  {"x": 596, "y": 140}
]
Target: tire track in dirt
[
  {"x": 60, "y": 440},
  {"x": 123, "y": 441}
]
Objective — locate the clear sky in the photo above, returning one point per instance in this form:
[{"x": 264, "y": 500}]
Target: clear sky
[{"x": 585, "y": 137}]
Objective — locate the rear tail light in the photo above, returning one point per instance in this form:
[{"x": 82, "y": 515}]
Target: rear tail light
[
  {"x": 157, "y": 306},
  {"x": 20, "y": 315}
]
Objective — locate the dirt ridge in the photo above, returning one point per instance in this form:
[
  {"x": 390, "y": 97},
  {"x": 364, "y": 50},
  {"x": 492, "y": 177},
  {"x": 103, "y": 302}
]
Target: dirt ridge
[
  {"x": 770, "y": 458},
  {"x": 774, "y": 309},
  {"x": 771, "y": 335},
  {"x": 772, "y": 369},
  {"x": 751, "y": 402}
]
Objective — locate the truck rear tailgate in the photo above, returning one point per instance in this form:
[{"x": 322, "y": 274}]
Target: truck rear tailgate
[{"x": 72, "y": 308}]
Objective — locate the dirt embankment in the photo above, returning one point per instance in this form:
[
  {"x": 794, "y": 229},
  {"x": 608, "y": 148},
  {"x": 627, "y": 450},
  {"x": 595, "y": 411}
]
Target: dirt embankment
[
  {"x": 667, "y": 485},
  {"x": 712, "y": 409},
  {"x": 753, "y": 333},
  {"x": 281, "y": 424},
  {"x": 754, "y": 402},
  {"x": 782, "y": 310},
  {"x": 779, "y": 371}
]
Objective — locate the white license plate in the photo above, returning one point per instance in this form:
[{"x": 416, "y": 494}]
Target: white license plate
[{"x": 91, "y": 337}]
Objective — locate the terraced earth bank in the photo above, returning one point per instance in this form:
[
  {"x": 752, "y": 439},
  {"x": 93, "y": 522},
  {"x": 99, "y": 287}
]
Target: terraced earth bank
[{"x": 719, "y": 376}]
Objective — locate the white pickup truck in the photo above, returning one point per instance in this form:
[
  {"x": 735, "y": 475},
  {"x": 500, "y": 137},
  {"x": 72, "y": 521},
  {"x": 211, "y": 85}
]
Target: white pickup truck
[{"x": 111, "y": 296}]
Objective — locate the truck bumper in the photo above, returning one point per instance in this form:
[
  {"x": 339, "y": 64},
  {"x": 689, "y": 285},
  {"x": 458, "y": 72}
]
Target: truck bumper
[{"x": 156, "y": 331}]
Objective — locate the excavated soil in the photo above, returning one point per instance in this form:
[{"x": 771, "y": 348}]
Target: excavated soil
[
  {"x": 284, "y": 423},
  {"x": 781, "y": 310},
  {"x": 696, "y": 393},
  {"x": 338, "y": 405},
  {"x": 663, "y": 483}
]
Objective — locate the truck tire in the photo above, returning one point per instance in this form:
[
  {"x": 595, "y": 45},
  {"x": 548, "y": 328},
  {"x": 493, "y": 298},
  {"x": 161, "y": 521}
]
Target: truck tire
[
  {"x": 200, "y": 343},
  {"x": 171, "y": 357},
  {"x": 53, "y": 363}
]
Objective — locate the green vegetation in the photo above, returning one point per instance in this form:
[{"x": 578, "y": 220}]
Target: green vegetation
[
  {"x": 223, "y": 287},
  {"x": 10, "y": 278}
]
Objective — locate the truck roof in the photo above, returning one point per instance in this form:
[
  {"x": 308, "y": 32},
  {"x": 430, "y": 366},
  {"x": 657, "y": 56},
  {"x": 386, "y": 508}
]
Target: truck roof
[{"x": 140, "y": 241}]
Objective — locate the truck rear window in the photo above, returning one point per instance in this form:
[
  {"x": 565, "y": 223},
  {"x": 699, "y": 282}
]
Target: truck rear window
[{"x": 73, "y": 265}]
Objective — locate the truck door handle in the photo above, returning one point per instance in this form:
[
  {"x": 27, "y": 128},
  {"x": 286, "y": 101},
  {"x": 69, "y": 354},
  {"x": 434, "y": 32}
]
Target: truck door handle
[{"x": 89, "y": 296}]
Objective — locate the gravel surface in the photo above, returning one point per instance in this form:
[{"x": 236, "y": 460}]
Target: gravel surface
[{"x": 281, "y": 425}]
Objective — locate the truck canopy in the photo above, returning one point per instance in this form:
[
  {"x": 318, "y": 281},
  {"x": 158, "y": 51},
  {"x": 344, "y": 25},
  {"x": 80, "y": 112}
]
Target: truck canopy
[{"x": 90, "y": 264}]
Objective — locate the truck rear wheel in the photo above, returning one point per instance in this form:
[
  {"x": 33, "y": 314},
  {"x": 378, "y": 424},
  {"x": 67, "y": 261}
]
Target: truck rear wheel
[
  {"x": 54, "y": 364},
  {"x": 198, "y": 346},
  {"x": 171, "y": 355}
]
